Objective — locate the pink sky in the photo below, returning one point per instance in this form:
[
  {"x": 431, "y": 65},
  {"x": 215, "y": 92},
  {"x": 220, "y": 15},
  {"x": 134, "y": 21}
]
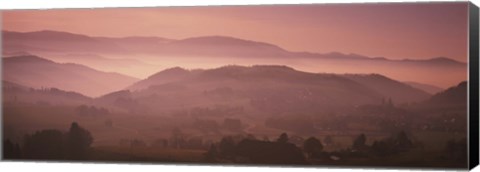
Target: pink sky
[{"x": 396, "y": 31}]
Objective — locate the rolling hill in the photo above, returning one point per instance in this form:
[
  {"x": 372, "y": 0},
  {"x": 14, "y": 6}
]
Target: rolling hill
[
  {"x": 37, "y": 72},
  {"x": 397, "y": 91},
  {"x": 274, "y": 89},
  {"x": 432, "y": 89},
  {"x": 453, "y": 96},
  {"x": 16, "y": 93}
]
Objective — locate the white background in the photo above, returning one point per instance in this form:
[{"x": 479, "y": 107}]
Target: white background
[{"x": 82, "y": 167}]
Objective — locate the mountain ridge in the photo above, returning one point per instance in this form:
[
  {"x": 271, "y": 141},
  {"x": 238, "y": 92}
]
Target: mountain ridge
[{"x": 221, "y": 40}]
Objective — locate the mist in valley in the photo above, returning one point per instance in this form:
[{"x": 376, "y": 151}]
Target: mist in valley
[
  {"x": 213, "y": 99},
  {"x": 227, "y": 114}
]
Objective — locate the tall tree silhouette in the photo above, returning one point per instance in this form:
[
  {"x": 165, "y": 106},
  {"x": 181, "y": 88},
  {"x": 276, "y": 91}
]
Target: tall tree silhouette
[
  {"x": 312, "y": 146},
  {"x": 78, "y": 142}
]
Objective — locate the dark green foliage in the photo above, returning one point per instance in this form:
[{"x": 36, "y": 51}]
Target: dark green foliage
[{"x": 312, "y": 146}]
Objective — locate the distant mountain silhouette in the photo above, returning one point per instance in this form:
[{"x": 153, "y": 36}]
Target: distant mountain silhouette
[
  {"x": 127, "y": 66},
  {"x": 55, "y": 41},
  {"x": 397, "y": 91},
  {"x": 136, "y": 39},
  {"x": 37, "y": 72},
  {"x": 214, "y": 51},
  {"x": 335, "y": 56},
  {"x": 425, "y": 87},
  {"x": 47, "y": 35},
  {"x": 137, "y": 44},
  {"x": 15, "y": 53},
  {"x": 436, "y": 61},
  {"x": 221, "y": 46},
  {"x": 224, "y": 40},
  {"x": 27, "y": 59},
  {"x": 196, "y": 46},
  {"x": 94, "y": 60}
]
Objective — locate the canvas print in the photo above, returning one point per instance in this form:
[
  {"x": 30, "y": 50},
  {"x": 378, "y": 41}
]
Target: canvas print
[{"x": 345, "y": 85}]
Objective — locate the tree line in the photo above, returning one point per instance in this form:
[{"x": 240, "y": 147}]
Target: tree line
[
  {"x": 250, "y": 150},
  {"x": 50, "y": 144}
]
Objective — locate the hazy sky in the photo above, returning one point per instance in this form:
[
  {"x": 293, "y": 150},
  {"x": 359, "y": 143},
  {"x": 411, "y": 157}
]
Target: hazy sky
[{"x": 397, "y": 31}]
